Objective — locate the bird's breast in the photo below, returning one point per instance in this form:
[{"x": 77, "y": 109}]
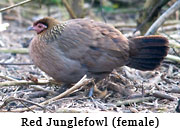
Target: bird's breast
[{"x": 52, "y": 60}]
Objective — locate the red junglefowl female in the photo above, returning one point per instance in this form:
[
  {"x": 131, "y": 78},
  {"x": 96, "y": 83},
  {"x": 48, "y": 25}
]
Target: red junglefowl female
[{"x": 68, "y": 50}]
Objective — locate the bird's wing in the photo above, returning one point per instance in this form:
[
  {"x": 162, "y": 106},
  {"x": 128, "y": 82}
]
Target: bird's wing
[{"x": 98, "y": 46}]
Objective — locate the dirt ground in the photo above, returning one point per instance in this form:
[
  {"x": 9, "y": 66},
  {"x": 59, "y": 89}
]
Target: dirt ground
[{"x": 125, "y": 90}]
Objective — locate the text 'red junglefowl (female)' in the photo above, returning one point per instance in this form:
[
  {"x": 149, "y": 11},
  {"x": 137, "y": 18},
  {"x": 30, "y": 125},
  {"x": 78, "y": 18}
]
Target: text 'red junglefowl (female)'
[{"x": 68, "y": 50}]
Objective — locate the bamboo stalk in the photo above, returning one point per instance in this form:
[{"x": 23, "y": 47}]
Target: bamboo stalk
[
  {"x": 173, "y": 58},
  {"x": 14, "y": 50}
]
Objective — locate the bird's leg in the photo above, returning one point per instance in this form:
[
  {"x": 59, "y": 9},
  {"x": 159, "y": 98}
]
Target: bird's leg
[
  {"x": 94, "y": 89},
  {"x": 91, "y": 91}
]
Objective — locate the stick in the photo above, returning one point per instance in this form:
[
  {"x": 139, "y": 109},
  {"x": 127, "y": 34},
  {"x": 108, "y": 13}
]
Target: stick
[
  {"x": 15, "y": 5},
  {"x": 175, "y": 89},
  {"x": 24, "y": 82},
  {"x": 137, "y": 100},
  {"x": 32, "y": 86},
  {"x": 51, "y": 92},
  {"x": 163, "y": 18},
  {"x": 71, "y": 110},
  {"x": 163, "y": 96}
]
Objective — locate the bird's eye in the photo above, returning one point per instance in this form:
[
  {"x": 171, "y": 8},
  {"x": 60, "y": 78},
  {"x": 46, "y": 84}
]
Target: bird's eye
[{"x": 39, "y": 26}]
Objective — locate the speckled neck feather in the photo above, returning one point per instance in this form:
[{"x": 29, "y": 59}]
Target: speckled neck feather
[
  {"x": 54, "y": 28},
  {"x": 53, "y": 32}
]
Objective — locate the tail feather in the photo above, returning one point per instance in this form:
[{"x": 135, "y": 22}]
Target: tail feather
[{"x": 147, "y": 52}]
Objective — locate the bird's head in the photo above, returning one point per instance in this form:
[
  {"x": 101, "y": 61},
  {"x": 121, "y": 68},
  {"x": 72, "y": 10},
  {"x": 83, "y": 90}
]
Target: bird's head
[{"x": 43, "y": 24}]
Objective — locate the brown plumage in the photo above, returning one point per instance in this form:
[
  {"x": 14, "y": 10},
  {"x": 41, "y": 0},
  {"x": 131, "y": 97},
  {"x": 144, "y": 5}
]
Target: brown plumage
[{"x": 68, "y": 50}]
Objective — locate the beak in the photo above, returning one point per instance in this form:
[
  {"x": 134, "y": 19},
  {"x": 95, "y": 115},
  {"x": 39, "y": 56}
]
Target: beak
[{"x": 30, "y": 28}]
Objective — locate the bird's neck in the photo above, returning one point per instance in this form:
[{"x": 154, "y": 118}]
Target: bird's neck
[{"x": 53, "y": 32}]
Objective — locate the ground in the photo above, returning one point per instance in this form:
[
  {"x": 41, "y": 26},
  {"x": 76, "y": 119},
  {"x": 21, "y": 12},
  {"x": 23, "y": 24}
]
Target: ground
[{"x": 124, "y": 90}]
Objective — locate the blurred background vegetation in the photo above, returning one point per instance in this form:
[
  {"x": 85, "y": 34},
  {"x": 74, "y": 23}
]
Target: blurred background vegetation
[{"x": 141, "y": 13}]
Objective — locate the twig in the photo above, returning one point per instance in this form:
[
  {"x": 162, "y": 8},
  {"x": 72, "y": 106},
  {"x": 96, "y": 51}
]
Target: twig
[
  {"x": 84, "y": 81},
  {"x": 163, "y": 96},
  {"x": 69, "y": 9},
  {"x": 175, "y": 89},
  {"x": 163, "y": 18},
  {"x": 10, "y": 99},
  {"x": 15, "y": 5},
  {"x": 51, "y": 92},
  {"x": 24, "y": 82},
  {"x": 71, "y": 110},
  {"x": 26, "y": 105},
  {"x": 18, "y": 50},
  {"x": 137, "y": 100},
  {"x": 32, "y": 86}
]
